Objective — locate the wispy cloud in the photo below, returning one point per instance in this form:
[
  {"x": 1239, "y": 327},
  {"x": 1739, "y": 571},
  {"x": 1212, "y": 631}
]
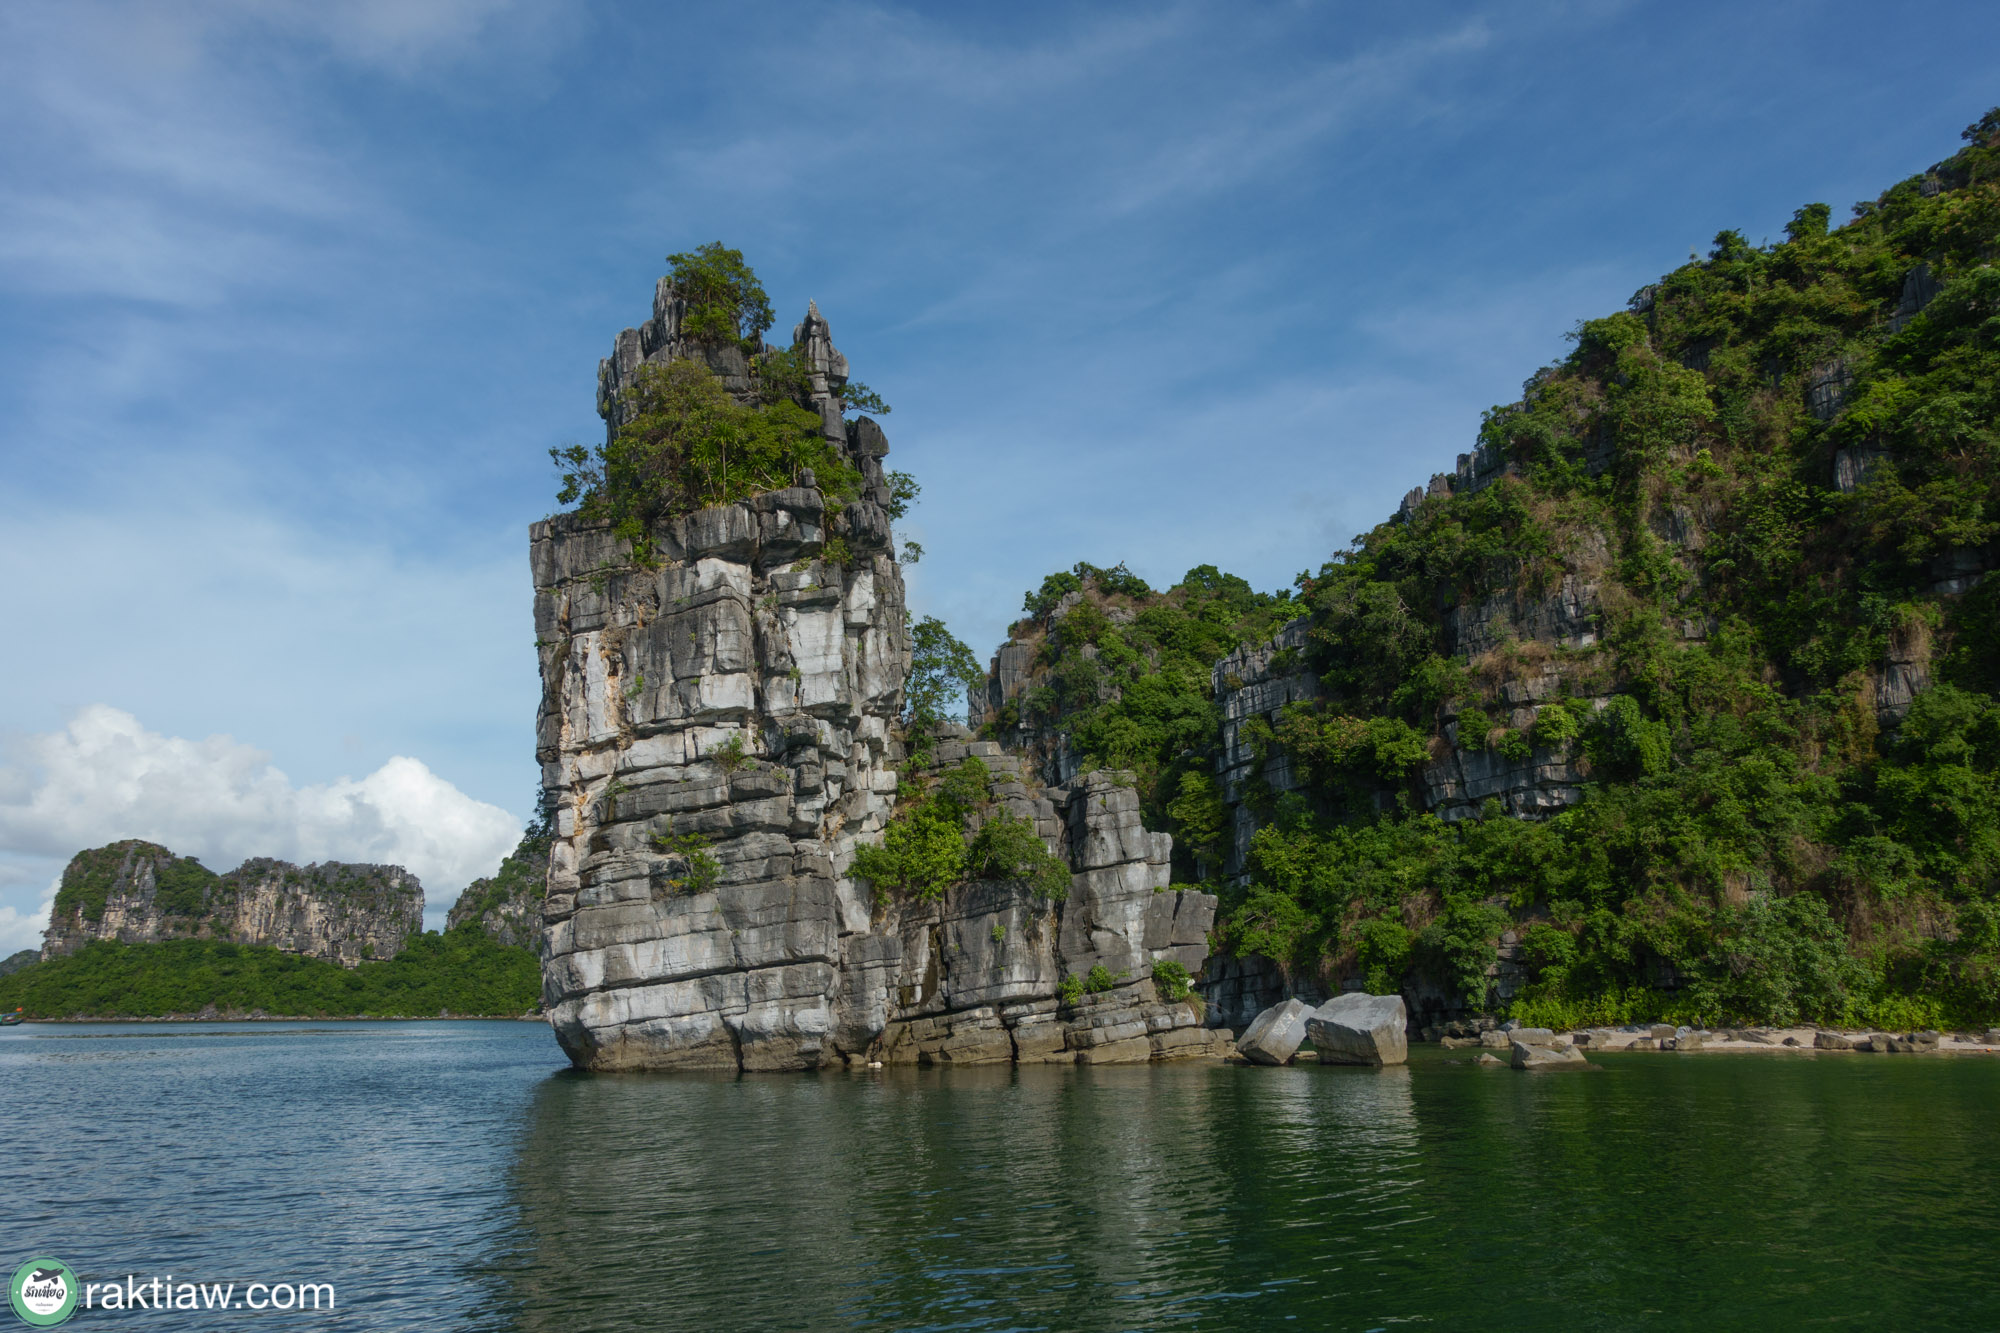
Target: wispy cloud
[
  {"x": 158, "y": 170},
  {"x": 1266, "y": 128},
  {"x": 210, "y": 612}
]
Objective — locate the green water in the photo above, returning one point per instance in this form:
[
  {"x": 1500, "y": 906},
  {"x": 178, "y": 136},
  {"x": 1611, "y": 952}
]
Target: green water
[
  {"x": 455, "y": 1176},
  {"x": 1710, "y": 1191}
]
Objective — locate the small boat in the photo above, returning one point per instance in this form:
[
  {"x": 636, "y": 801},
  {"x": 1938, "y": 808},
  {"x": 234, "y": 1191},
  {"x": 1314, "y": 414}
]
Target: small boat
[{"x": 9, "y": 1020}]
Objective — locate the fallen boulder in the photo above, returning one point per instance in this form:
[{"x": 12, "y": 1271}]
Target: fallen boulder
[
  {"x": 1360, "y": 1029},
  {"x": 1832, "y": 1041},
  {"x": 1273, "y": 1036},
  {"x": 1547, "y": 1057},
  {"x": 1910, "y": 1043}
]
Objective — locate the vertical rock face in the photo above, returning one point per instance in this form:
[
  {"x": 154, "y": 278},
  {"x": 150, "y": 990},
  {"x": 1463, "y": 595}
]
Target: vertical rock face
[
  {"x": 342, "y": 913},
  {"x": 738, "y": 696},
  {"x": 718, "y": 733},
  {"x": 1257, "y": 681},
  {"x": 714, "y": 736},
  {"x": 978, "y": 973},
  {"x": 507, "y": 905},
  {"x": 139, "y": 892}
]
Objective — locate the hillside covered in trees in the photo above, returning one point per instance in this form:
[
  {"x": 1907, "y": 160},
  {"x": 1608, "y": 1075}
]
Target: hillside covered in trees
[{"x": 1706, "y": 611}]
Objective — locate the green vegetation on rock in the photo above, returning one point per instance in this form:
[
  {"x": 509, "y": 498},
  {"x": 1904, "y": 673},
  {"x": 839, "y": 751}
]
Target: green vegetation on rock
[
  {"x": 1171, "y": 977},
  {"x": 1007, "y": 847},
  {"x": 514, "y": 889},
  {"x": 1777, "y": 470},
  {"x": 1125, "y": 675},
  {"x": 183, "y": 885},
  {"x": 686, "y": 443},
  {"x": 942, "y": 672},
  {"x": 1722, "y": 571},
  {"x": 725, "y": 301},
  {"x": 925, "y": 849}
]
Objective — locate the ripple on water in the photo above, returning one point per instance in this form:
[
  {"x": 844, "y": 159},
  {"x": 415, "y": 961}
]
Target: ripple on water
[{"x": 445, "y": 1175}]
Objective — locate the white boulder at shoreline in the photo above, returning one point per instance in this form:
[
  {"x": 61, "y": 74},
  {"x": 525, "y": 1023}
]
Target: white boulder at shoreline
[
  {"x": 1274, "y": 1036},
  {"x": 1360, "y": 1029}
]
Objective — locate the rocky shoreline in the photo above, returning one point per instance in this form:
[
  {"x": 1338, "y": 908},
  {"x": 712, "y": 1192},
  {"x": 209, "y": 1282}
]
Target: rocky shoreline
[
  {"x": 1357, "y": 1028},
  {"x": 1528, "y": 1047},
  {"x": 1664, "y": 1037}
]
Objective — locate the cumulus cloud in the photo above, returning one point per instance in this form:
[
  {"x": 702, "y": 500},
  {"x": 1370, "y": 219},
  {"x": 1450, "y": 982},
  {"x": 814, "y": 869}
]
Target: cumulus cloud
[
  {"x": 23, "y": 930},
  {"x": 105, "y": 777}
]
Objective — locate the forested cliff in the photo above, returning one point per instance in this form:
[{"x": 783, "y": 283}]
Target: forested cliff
[
  {"x": 137, "y": 892},
  {"x": 1676, "y": 698}
]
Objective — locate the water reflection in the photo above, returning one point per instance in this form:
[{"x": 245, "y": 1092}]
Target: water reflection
[
  {"x": 441, "y": 1177},
  {"x": 968, "y": 1198},
  {"x": 1225, "y": 1197}
]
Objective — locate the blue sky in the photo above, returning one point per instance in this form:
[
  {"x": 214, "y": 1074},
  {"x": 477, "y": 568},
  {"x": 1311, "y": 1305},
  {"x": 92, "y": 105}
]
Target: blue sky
[{"x": 297, "y": 297}]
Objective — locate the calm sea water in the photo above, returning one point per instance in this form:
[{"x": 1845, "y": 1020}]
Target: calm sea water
[{"x": 452, "y": 1175}]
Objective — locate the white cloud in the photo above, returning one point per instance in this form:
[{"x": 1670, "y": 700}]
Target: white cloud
[
  {"x": 105, "y": 777},
  {"x": 334, "y": 646},
  {"x": 23, "y": 930}
]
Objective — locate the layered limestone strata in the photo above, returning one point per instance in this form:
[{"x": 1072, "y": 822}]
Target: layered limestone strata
[
  {"x": 718, "y": 733},
  {"x": 735, "y": 704},
  {"x": 980, "y": 969},
  {"x": 139, "y": 892}
]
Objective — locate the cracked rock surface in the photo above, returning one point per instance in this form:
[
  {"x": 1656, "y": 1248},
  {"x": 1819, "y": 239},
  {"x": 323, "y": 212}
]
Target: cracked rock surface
[{"x": 718, "y": 732}]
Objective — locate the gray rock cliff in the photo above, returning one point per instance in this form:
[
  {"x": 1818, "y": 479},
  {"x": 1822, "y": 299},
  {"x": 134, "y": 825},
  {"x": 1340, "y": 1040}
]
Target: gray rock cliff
[
  {"x": 507, "y": 905},
  {"x": 719, "y": 731},
  {"x": 139, "y": 892}
]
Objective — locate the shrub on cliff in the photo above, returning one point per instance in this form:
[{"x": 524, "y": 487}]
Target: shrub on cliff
[
  {"x": 1007, "y": 847},
  {"x": 943, "y": 672},
  {"x": 1134, "y": 692},
  {"x": 923, "y": 849},
  {"x": 688, "y": 446},
  {"x": 726, "y": 302}
]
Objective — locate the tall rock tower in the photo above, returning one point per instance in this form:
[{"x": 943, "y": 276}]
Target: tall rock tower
[
  {"x": 717, "y": 733},
  {"x": 741, "y": 693}
]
